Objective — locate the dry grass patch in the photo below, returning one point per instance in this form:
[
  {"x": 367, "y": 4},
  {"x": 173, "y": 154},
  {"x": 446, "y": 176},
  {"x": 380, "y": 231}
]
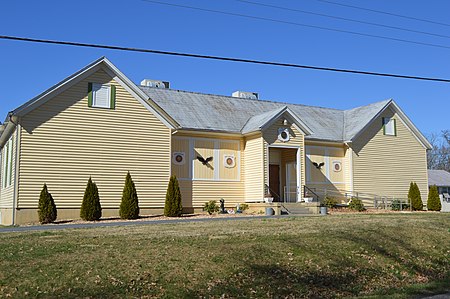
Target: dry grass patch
[{"x": 333, "y": 256}]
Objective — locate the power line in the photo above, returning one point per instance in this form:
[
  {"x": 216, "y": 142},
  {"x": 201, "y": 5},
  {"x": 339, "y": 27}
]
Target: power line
[
  {"x": 385, "y": 13},
  {"x": 342, "y": 18},
  {"x": 298, "y": 24},
  {"x": 202, "y": 56}
]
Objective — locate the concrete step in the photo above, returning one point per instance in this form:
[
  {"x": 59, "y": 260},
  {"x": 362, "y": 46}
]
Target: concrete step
[{"x": 297, "y": 211}]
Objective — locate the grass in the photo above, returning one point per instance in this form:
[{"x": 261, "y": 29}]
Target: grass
[{"x": 374, "y": 256}]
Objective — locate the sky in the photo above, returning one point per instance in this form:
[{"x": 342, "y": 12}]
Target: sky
[{"x": 27, "y": 69}]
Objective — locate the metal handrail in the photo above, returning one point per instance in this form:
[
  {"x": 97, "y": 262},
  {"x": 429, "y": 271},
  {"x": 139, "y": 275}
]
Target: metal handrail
[
  {"x": 307, "y": 191},
  {"x": 378, "y": 200},
  {"x": 272, "y": 192}
]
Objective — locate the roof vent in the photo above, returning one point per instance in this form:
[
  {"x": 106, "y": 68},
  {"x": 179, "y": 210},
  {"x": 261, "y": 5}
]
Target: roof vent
[
  {"x": 155, "y": 83},
  {"x": 245, "y": 95}
]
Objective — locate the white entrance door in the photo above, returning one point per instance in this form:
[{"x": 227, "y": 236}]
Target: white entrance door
[{"x": 291, "y": 191}]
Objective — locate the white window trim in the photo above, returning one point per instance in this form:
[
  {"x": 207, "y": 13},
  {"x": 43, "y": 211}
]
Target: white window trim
[
  {"x": 389, "y": 122},
  {"x": 216, "y": 159},
  {"x": 98, "y": 86},
  {"x": 7, "y": 161}
]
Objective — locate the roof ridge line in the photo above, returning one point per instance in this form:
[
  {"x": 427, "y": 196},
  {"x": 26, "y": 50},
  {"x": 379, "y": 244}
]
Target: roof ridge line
[{"x": 236, "y": 98}]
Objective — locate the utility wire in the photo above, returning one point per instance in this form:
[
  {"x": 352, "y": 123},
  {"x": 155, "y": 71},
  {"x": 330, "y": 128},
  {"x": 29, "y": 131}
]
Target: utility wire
[
  {"x": 202, "y": 56},
  {"x": 297, "y": 24},
  {"x": 342, "y": 18},
  {"x": 385, "y": 13}
]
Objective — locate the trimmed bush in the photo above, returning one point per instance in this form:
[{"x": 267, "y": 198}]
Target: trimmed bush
[
  {"x": 434, "y": 202},
  {"x": 330, "y": 202},
  {"x": 414, "y": 197},
  {"x": 356, "y": 204},
  {"x": 47, "y": 209},
  {"x": 173, "y": 206},
  {"x": 91, "y": 209},
  {"x": 129, "y": 206},
  {"x": 211, "y": 207}
]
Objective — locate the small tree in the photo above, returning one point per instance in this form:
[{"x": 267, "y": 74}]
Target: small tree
[
  {"x": 47, "y": 209},
  {"x": 414, "y": 197},
  {"x": 434, "y": 202},
  {"x": 129, "y": 207},
  {"x": 91, "y": 209},
  {"x": 173, "y": 206}
]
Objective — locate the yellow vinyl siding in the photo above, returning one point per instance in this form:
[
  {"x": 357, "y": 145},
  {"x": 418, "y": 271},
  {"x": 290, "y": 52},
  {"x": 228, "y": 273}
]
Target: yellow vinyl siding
[
  {"x": 325, "y": 179},
  {"x": 226, "y": 183},
  {"x": 254, "y": 168},
  {"x": 385, "y": 165},
  {"x": 271, "y": 134},
  {"x": 181, "y": 145},
  {"x": 336, "y": 155},
  {"x": 228, "y": 149},
  {"x": 64, "y": 142},
  {"x": 316, "y": 175},
  {"x": 205, "y": 149},
  {"x": 196, "y": 193},
  {"x": 7, "y": 191}
]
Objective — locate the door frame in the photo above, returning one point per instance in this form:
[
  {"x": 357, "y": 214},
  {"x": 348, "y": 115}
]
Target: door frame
[{"x": 298, "y": 163}]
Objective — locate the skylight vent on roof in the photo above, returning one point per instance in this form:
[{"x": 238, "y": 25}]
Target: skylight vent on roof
[
  {"x": 155, "y": 83},
  {"x": 245, "y": 95}
]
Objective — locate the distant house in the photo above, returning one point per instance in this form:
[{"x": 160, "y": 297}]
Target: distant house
[
  {"x": 98, "y": 123},
  {"x": 441, "y": 179}
]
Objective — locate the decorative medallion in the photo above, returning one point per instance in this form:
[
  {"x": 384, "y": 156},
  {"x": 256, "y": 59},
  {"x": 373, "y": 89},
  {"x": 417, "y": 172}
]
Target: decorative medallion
[
  {"x": 178, "y": 158},
  {"x": 337, "y": 166},
  {"x": 229, "y": 161},
  {"x": 283, "y": 134}
]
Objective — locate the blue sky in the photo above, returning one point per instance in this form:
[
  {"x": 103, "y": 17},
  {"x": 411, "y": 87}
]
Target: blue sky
[{"x": 27, "y": 69}]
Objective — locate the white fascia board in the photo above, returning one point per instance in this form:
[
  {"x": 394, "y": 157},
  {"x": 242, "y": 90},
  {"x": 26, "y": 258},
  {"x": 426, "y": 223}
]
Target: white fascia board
[
  {"x": 273, "y": 119},
  {"x": 409, "y": 124},
  {"x": 59, "y": 88},
  {"x": 300, "y": 125},
  {"x": 104, "y": 64},
  {"x": 406, "y": 121},
  {"x": 142, "y": 97}
]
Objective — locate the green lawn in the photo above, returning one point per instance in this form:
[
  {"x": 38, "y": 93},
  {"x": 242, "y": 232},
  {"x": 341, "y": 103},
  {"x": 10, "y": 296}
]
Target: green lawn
[{"x": 394, "y": 255}]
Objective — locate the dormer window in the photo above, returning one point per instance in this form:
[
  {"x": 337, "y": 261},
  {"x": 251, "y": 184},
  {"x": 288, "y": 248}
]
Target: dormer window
[{"x": 389, "y": 126}]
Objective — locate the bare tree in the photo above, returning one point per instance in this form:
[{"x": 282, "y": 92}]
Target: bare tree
[{"x": 439, "y": 156}]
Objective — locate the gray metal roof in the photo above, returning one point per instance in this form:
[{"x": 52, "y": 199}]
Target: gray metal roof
[
  {"x": 357, "y": 118},
  {"x": 438, "y": 177},
  {"x": 237, "y": 115},
  {"x": 256, "y": 122}
]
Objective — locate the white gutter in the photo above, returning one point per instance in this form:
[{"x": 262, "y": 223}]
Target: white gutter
[{"x": 8, "y": 129}]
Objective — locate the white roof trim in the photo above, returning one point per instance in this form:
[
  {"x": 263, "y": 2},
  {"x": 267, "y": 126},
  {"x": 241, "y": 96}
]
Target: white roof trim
[
  {"x": 409, "y": 124},
  {"x": 300, "y": 124},
  {"x": 104, "y": 64},
  {"x": 405, "y": 120}
]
